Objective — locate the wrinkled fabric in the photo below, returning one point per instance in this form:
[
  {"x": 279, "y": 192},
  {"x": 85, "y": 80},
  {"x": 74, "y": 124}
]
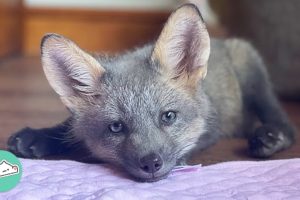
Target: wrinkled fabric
[{"x": 60, "y": 180}]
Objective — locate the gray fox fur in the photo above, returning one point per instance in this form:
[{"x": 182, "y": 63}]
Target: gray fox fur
[{"x": 146, "y": 110}]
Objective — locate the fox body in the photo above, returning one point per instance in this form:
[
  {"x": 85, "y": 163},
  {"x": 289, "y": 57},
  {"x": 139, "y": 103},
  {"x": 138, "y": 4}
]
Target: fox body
[{"x": 147, "y": 109}]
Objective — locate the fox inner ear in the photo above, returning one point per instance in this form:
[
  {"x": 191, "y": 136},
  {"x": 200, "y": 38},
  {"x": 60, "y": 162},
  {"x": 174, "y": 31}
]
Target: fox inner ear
[
  {"x": 182, "y": 50},
  {"x": 69, "y": 70}
]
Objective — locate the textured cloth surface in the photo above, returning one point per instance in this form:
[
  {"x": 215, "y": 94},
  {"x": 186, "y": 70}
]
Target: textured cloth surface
[{"x": 58, "y": 180}]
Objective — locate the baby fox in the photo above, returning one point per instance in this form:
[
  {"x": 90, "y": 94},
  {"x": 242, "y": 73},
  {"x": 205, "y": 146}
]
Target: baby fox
[{"x": 146, "y": 110}]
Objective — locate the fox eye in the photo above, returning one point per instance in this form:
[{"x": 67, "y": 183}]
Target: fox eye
[
  {"x": 116, "y": 127},
  {"x": 168, "y": 118}
]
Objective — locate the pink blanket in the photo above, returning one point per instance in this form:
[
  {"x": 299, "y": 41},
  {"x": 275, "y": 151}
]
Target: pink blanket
[{"x": 58, "y": 180}]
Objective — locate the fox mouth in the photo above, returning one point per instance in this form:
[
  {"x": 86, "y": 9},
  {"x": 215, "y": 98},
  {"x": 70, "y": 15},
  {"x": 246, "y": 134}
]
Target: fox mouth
[
  {"x": 140, "y": 176},
  {"x": 153, "y": 178}
]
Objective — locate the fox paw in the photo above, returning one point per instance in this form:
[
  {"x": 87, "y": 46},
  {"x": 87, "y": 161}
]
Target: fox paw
[
  {"x": 266, "y": 141},
  {"x": 29, "y": 143}
]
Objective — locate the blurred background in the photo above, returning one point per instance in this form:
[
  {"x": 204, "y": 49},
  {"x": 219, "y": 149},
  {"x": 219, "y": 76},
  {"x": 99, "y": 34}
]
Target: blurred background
[{"x": 112, "y": 26}]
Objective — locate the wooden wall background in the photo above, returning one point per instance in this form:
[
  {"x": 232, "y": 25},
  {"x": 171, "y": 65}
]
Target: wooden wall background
[
  {"x": 21, "y": 28},
  {"x": 10, "y": 27},
  {"x": 108, "y": 31}
]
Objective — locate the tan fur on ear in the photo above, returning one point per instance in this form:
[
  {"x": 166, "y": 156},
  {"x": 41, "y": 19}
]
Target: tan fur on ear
[
  {"x": 183, "y": 47},
  {"x": 68, "y": 68}
]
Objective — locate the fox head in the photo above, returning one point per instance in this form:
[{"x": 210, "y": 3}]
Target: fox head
[{"x": 142, "y": 110}]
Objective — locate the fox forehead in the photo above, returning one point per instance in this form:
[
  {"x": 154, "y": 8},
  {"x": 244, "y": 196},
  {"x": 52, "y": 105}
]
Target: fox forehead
[
  {"x": 140, "y": 95},
  {"x": 132, "y": 62},
  {"x": 131, "y": 79}
]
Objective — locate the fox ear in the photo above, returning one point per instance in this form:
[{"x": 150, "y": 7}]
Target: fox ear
[
  {"x": 69, "y": 70},
  {"x": 182, "y": 50}
]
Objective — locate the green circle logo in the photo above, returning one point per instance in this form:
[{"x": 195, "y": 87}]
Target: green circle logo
[{"x": 10, "y": 171}]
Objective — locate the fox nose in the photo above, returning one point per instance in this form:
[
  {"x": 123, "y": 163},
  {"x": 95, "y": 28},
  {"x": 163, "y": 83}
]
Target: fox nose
[{"x": 151, "y": 163}]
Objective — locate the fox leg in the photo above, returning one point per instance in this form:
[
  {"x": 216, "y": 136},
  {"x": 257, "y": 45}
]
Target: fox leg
[
  {"x": 276, "y": 132},
  {"x": 38, "y": 143}
]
